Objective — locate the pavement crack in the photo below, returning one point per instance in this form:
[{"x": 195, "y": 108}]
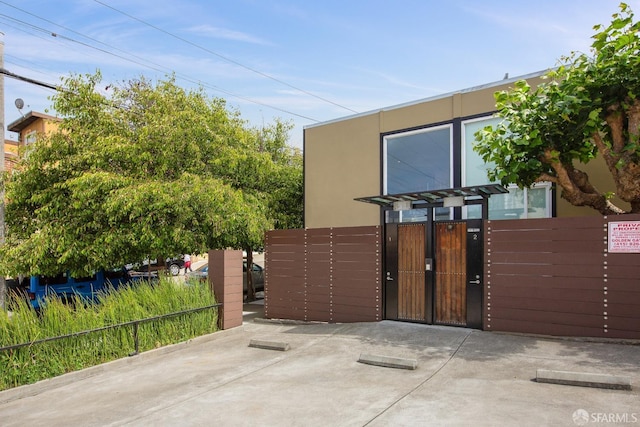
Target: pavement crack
[{"x": 426, "y": 380}]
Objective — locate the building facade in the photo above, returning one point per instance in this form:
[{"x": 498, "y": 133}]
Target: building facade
[
  {"x": 28, "y": 127},
  {"x": 10, "y": 154},
  {"x": 422, "y": 145},
  {"x": 411, "y": 170}
]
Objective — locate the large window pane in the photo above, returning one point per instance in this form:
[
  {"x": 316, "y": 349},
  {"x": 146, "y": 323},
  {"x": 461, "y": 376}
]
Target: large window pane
[
  {"x": 517, "y": 204},
  {"x": 417, "y": 161},
  {"x": 527, "y": 203},
  {"x": 507, "y": 206},
  {"x": 537, "y": 202},
  {"x": 474, "y": 168},
  {"x": 501, "y": 206}
]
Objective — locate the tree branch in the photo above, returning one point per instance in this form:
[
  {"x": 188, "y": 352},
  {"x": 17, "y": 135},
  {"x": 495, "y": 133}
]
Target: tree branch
[
  {"x": 562, "y": 176},
  {"x": 576, "y": 187},
  {"x": 615, "y": 120},
  {"x": 633, "y": 116},
  {"x": 610, "y": 158},
  {"x": 545, "y": 177}
]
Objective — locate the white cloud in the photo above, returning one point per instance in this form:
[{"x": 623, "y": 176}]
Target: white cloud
[{"x": 223, "y": 33}]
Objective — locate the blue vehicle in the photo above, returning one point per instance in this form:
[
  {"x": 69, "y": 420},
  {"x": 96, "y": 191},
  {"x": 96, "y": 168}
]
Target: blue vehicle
[{"x": 66, "y": 287}]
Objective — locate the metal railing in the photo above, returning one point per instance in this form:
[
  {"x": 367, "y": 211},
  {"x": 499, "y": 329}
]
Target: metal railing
[{"x": 133, "y": 323}]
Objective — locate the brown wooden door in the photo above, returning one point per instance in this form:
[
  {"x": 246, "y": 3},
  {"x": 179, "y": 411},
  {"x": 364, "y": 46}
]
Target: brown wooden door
[
  {"x": 451, "y": 273},
  {"x": 411, "y": 272}
]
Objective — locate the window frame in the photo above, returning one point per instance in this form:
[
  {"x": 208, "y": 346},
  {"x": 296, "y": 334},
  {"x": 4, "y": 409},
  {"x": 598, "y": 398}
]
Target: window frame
[
  {"x": 30, "y": 137},
  {"x": 399, "y": 134},
  {"x": 463, "y": 172}
]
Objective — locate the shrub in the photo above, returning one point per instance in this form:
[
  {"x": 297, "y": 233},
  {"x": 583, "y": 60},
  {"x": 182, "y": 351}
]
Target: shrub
[{"x": 57, "y": 318}]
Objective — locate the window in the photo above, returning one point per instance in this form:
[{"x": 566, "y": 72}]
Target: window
[
  {"x": 91, "y": 278},
  {"x": 417, "y": 160},
  {"x": 422, "y": 160},
  {"x": 116, "y": 273},
  {"x": 59, "y": 279},
  {"x": 532, "y": 202},
  {"x": 30, "y": 138}
]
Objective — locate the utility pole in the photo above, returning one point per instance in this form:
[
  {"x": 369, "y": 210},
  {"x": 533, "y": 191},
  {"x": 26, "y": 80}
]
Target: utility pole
[{"x": 3, "y": 282}]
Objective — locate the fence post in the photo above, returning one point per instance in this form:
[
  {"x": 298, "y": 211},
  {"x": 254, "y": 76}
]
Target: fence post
[
  {"x": 225, "y": 279},
  {"x": 136, "y": 341}
]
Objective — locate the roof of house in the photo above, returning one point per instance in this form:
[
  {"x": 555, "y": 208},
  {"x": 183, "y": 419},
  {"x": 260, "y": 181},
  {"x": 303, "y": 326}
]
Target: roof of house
[{"x": 27, "y": 119}]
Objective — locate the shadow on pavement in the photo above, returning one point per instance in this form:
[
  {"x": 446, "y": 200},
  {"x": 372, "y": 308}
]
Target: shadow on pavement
[{"x": 253, "y": 310}]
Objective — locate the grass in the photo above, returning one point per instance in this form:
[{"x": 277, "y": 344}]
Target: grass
[{"x": 45, "y": 360}]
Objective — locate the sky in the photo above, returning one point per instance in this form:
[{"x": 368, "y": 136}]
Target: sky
[{"x": 301, "y": 61}]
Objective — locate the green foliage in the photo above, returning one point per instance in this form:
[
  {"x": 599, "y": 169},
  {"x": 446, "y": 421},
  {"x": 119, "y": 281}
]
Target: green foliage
[
  {"x": 529, "y": 133},
  {"x": 45, "y": 360},
  {"x": 587, "y": 107},
  {"x": 145, "y": 170}
]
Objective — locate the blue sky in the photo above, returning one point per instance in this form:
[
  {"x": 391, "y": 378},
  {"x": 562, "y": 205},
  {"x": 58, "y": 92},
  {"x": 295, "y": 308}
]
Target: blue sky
[{"x": 303, "y": 61}]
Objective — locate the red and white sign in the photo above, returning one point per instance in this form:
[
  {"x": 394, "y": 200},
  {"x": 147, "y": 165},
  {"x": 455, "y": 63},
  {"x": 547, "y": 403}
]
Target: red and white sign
[{"x": 624, "y": 237}]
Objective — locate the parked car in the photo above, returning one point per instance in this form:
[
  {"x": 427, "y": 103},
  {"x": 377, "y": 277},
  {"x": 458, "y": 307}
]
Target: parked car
[
  {"x": 146, "y": 267},
  {"x": 202, "y": 273},
  {"x": 66, "y": 287}
]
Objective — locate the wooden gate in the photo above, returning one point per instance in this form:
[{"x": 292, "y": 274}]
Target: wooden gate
[
  {"x": 411, "y": 272},
  {"x": 451, "y": 273}
]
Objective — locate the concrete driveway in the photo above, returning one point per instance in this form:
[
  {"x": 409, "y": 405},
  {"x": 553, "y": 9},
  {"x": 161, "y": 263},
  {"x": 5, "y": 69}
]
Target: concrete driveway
[{"x": 463, "y": 377}]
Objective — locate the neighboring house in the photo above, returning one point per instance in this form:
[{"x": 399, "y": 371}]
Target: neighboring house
[
  {"x": 28, "y": 127},
  {"x": 10, "y": 154}
]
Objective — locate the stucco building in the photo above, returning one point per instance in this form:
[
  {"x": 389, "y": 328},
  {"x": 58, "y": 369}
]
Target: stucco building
[
  {"x": 417, "y": 146},
  {"x": 408, "y": 175},
  {"x": 28, "y": 127}
]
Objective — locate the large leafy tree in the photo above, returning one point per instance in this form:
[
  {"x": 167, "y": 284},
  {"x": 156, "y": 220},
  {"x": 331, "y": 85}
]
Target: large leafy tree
[
  {"x": 589, "y": 106},
  {"x": 280, "y": 191},
  {"x": 138, "y": 170}
]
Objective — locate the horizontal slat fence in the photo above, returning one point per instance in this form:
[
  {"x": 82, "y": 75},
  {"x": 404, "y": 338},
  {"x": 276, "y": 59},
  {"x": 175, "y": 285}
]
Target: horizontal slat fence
[
  {"x": 324, "y": 274},
  {"x": 556, "y": 277}
]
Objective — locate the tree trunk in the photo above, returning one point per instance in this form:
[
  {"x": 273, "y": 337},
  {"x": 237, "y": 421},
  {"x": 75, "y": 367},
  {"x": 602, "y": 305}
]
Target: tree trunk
[
  {"x": 251, "y": 290},
  {"x": 576, "y": 187}
]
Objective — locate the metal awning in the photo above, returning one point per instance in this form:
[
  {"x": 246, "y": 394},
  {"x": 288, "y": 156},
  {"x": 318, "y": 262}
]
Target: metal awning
[{"x": 436, "y": 196}]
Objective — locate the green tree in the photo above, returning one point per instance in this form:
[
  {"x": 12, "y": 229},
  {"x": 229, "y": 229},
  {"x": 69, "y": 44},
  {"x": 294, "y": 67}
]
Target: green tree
[
  {"x": 277, "y": 183},
  {"x": 137, "y": 170},
  {"x": 588, "y": 107}
]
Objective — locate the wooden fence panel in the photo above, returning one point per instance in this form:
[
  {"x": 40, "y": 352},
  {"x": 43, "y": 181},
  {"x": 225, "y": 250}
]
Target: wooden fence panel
[
  {"x": 328, "y": 274},
  {"x": 556, "y": 277}
]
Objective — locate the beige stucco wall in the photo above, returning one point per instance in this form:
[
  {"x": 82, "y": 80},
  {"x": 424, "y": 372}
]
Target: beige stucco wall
[
  {"x": 41, "y": 127},
  {"x": 342, "y": 157},
  {"x": 342, "y": 161}
]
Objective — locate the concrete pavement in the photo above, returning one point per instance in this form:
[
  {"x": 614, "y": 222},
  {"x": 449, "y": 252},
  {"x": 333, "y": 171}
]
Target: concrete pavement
[{"x": 463, "y": 377}]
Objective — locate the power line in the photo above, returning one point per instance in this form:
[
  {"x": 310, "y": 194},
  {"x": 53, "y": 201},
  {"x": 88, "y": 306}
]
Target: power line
[
  {"x": 50, "y": 86},
  {"x": 253, "y": 70},
  {"x": 27, "y": 79},
  {"x": 154, "y": 66}
]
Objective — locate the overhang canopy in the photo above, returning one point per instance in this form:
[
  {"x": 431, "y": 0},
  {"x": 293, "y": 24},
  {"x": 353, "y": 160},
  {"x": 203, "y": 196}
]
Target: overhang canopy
[{"x": 436, "y": 196}]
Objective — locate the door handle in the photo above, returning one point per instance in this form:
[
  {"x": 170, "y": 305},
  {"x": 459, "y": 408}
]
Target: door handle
[
  {"x": 389, "y": 278},
  {"x": 474, "y": 282}
]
